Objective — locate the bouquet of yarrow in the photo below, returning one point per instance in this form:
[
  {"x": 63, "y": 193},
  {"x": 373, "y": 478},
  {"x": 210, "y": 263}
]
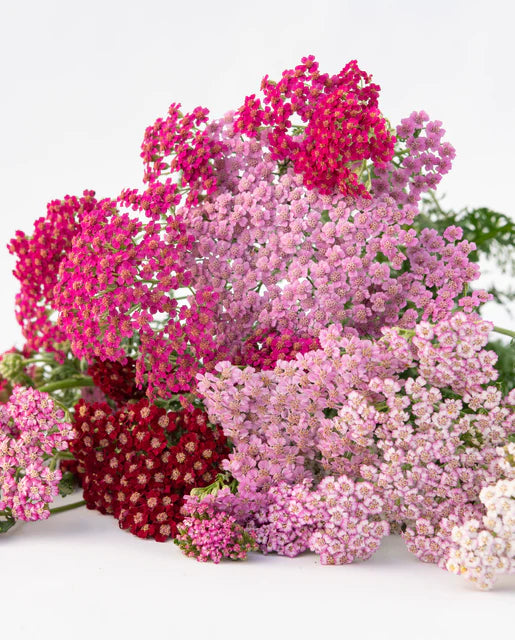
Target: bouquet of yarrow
[{"x": 270, "y": 346}]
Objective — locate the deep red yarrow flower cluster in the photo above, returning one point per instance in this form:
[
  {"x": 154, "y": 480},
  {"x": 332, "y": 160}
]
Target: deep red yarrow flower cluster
[
  {"x": 37, "y": 268},
  {"x": 138, "y": 462},
  {"x": 117, "y": 381},
  {"x": 344, "y": 125}
]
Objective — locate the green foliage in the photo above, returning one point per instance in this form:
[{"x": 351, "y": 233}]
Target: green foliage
[
  {"x": 68, "y": 484},
  {"x": 41, "y": 370},
  {"x": 505, "y": 364},
  {"x": 5, "y": 525}
]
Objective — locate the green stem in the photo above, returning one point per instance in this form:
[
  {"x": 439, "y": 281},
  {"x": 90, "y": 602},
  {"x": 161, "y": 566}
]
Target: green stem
[
  {"x": 68, "y": 507},
  {"x": 70, "y": 383},
  {"x": 39, "y": 359},
  {"x": 505, "y": 332},
  {"x": 65, "y": 455},
  {"x": 436, "y": 203}
]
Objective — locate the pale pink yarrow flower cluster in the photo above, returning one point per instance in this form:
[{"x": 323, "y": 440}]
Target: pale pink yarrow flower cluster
[
  {"x": 361, "y": 409},
  {"x": 32, "y": 432},
  {"x": 285, "y": 526},
  {"x": 351, "y": 524},
  {"x": 482, "y": 552},
  {"x": 424, "y": 160}
]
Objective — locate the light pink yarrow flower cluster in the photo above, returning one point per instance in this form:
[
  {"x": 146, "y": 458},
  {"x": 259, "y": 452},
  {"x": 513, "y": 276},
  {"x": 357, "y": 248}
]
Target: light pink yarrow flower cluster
[
  {"x": 32, "y": 432},
  {"x": 339, "y": 520},
  {"x": 426, "y": 443}
]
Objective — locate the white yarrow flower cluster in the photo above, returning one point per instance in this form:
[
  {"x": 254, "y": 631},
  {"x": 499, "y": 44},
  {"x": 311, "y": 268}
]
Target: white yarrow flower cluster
[{"x": 481, "y": 553}]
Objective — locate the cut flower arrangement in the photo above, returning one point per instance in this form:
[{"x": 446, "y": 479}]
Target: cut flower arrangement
[{"x": 271, "y": 346}]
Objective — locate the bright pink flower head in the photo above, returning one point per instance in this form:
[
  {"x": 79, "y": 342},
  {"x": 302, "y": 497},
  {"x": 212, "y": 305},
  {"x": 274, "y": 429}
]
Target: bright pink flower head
[{"x": 344, "y": 126}]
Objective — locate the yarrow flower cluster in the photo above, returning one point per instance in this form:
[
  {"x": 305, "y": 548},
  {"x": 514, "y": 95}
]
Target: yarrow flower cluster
[
  {"x": 32, "y": 433},
  {"x": 263, "y": 349},
  {"x": 117, "y": 381},
  {"x": 37, "y": 267},
  {"x": 271, "y": 350},
  {"x": 427, "y": 445},
  {"x": 344, "y": 125},
  {"x": 421, "y": 161},
  {"x": 180, "y": 144},
  {"x": 206, "y": 535},
  {"x": 350, "y": 521},
  {"x": 136, "y": 463},
  {"x": 483, "y": 551},
  {"x": 339, "y": 520}
]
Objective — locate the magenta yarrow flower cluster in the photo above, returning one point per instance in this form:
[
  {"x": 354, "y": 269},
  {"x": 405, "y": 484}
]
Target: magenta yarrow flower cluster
[
  {"x": 343, "y": 124},
  {"x": 32, "y": 433},
  {"x": 193, "y": 152},
  {"x": 113, "y": 288},
  {"x": 37, "y": 267}
]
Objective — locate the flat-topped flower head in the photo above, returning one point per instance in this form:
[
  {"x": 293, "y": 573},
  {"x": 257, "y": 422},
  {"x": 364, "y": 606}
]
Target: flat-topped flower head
[{"x": 32, "y": 433}]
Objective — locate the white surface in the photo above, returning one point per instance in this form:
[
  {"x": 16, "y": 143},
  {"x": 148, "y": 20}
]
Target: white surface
[
  {"x": 79, "y": 83},
  {"x": 78, "y": 575}
]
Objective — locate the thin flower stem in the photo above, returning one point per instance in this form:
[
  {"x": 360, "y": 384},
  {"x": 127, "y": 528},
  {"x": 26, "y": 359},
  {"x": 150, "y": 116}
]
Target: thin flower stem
[
  {"x": 505, "y": 332},
  {"x": 435, "y": 202},
  {"x": 68, "y": 507},
  {"x": 70, "y": 383}
]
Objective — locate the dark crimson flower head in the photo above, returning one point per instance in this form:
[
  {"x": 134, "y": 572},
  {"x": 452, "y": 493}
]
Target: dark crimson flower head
[{"x": 136, "y": 474}]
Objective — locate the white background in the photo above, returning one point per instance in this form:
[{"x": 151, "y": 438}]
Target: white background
[
  {"x": 78, "y": 576},
  {"x": 79, "y": 84}
]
